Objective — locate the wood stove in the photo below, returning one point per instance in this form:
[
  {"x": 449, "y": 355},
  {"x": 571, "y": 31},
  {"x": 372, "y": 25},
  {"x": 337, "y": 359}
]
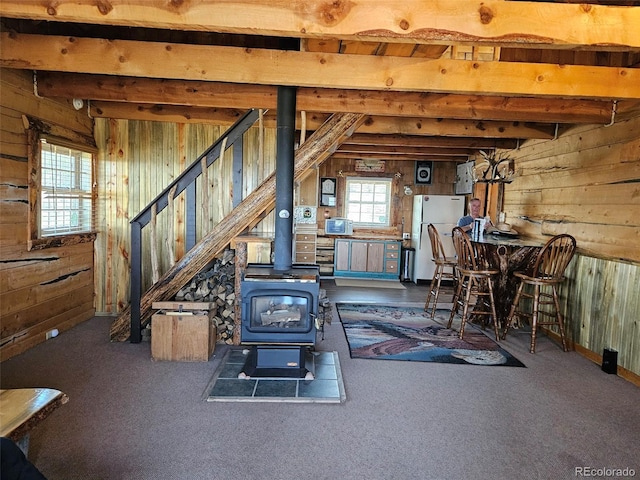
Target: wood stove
[
  {"x": 280, "y": 301},
  {"x": 279, "y": 311}
]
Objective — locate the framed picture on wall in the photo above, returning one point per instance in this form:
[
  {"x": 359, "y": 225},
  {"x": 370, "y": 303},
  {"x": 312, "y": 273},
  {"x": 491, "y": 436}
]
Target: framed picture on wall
[
  {"x": 424, "y": 173},
  {"x": 327, "y": 192}
]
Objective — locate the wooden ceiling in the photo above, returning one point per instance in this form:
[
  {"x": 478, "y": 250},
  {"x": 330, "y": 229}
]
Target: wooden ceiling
[{"x": 437, "y": 80}]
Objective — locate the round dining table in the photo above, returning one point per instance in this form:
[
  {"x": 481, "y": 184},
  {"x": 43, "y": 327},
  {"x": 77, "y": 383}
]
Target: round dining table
[{"x": 508, "y": 253}]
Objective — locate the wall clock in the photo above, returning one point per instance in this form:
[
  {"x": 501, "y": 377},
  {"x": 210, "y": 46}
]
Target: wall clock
[{"x": 370, "y": 166}]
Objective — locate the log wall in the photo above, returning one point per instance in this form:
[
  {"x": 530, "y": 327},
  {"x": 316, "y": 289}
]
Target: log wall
[
  {"x": 45, "y": 289},
  {"x": 587, "y": 183}
]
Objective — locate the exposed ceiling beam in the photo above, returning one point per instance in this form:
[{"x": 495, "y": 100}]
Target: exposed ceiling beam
[
  {"x": 242, "y": 96},
  {"x": 494, "y": 22},
  {"x": 411, "y": 158},
  {"x": 455, "y": 128},
  {"x": 392, "y": 151},
  {"x": 375, "y": 125},
  {"x": 172, "y": 113},
  {"x": 278, "y": 67},
  {"x": 406, "y": 140}
]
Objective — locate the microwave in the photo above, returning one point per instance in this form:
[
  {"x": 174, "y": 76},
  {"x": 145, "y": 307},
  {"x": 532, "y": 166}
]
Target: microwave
[{"x": 338, "y": 226}]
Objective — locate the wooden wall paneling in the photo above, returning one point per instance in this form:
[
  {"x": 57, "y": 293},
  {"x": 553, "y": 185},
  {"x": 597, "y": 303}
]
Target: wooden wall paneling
[
  {"x": 105, "y": 298},
  {"x": 602, "y": 297},
  {"x": 164, "y": 141},
  {"x": 43, "y": 289},
  {"x": 45, "y": 267},
  {"x": 145, "y": 157},
  {"x": 267, "y": 167},
  {"x": 17, "y": 93},
  {"x": 579, "y": 139},
  {"x": 12, "y": 134},
  {"x": 100, "y": 218},
  {"x": 120, "y": 221},
  {"x": 623, "y": 194},
  {"x": 585, "y": 183},
  {"x": 444, "y": 174},
  {"x": 612, "y": 242},
  {"x": 14, "y": 169},
  {"x": 40, "y": 293},
  {"x": 257, "y": 167},
  {"x": 180, "y": 203},
  {"x": 590, "y": 213},
  {"x": 13, "y": 194},
  {"x": 221, "y": 190},
  {"x": 32, "y": 336},
  {"x": 628, "y": 306},
  {"x": 13, "y": 203},
  {"x": 198, "y": 138},
  {"x": 142, "y": 159}
]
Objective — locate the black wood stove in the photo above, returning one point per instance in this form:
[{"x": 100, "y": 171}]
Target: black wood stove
[
  {"x": 279, "y": 311},
  {"x": 280, "y": 301}
]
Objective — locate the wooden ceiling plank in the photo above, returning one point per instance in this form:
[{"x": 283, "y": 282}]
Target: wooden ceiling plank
[
  {"x": 277, "y": 67},
  {"x": 397, "y": 49},
  {"x": 230, "y": 95},
  {"x": 328, "y": 45},
  {"x": 351, "y": 47},
  {"x": 429, "y": 51},
  {"x": 492, "y": 22}
]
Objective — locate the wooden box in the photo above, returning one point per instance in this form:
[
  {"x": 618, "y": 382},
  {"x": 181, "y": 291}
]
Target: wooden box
[{"x": 183, "y": 331}]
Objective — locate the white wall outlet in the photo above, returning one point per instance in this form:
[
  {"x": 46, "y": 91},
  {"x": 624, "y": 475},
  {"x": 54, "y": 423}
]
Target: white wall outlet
[
  {"x": 52, "y": 333},
  {"x": 406, "y": 236}
]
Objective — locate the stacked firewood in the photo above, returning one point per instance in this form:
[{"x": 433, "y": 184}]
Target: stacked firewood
[{"x": 216, "y": 285}]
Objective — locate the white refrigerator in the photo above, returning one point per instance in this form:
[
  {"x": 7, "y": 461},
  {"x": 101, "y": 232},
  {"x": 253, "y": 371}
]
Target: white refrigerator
[{"x": 443, "y": 211}]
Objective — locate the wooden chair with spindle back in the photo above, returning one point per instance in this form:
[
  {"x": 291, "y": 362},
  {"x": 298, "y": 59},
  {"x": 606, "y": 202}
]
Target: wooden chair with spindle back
[
  {"x": 445, "y": 268},
  {"x": 548, "y": 271},
  {"x": 474, "y": 279}
]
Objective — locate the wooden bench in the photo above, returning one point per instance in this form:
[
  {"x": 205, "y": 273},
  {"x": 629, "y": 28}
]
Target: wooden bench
[{"x": 22, "y": 409}]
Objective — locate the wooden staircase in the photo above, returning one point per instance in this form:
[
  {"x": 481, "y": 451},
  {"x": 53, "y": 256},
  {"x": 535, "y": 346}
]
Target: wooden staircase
[{"x": 318, "y": 147}]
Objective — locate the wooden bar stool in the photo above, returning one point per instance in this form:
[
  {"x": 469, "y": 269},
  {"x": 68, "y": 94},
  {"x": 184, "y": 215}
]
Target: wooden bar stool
[
  {"x": 474, "y": 279},
  {"x": 548, "y": 271},
  {"x": 442, "y": 263}
]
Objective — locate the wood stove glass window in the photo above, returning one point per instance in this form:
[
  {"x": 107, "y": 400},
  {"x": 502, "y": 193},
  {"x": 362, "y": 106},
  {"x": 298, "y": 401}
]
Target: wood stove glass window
[{"x": 280, "y": 312}]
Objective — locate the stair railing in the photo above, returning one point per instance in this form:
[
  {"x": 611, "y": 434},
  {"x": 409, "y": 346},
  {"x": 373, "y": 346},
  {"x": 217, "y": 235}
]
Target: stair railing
[{"x": 185, "y": 181}]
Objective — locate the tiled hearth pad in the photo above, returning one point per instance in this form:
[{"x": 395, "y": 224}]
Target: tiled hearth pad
[{"x": 326, "y": 387}]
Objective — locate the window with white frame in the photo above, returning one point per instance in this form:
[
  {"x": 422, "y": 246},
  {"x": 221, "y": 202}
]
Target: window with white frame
[
  {"x": 368, "y": 201},
  {"x": 66, "y": 190}
]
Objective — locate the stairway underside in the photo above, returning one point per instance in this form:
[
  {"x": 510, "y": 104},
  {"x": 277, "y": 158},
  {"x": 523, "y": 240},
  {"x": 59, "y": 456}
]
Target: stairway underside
[{"x": 322, "y": 143}]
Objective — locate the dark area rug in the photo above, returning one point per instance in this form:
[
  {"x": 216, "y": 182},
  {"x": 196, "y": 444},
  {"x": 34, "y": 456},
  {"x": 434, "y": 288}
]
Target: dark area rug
[{"x": 408, "y": 333}]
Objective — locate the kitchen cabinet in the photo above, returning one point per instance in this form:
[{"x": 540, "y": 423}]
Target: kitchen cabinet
[
  {"x": 366, "y": 258},
  {"x": 305, "y": 246},
  {"x": 305, "y": 222}
]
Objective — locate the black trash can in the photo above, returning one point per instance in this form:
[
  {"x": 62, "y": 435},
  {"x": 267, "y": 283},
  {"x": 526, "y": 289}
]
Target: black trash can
[
  {"x": 406, "y": 263},
  {"x": 610, "y": 361}
]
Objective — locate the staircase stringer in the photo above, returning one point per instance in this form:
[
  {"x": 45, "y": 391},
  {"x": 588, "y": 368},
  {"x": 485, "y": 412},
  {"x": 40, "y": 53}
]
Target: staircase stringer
[{"x": 318, "y": 147}]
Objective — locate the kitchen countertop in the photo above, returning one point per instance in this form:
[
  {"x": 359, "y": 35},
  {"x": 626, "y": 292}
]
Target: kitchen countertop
[{"x": 357, "y": 236}]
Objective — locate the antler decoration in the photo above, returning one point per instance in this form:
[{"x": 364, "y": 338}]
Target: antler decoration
[{"x": 492, "y": 173}]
